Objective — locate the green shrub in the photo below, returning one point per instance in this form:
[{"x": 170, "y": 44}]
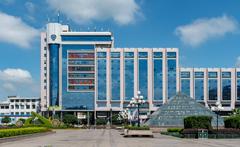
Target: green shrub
[
  {"x": 41, "y": 121},
  {"x": 70, "y": 119},
  {"x": 21, "y": 131},
  {"x": 19, "y": 123},
  {"x": 56, "y": 123},
  {"x": 198, "y": 122},
  {"x": 232, "y": 122},
  {"x": 22, "y": 119},
  {"x": 115, "y": 120},
  {"x": 137, "y": 128},
  {"x": 101, "y": 121},
  {"x": 174, "y": 130},
  {"x": 6, "y": 120}
]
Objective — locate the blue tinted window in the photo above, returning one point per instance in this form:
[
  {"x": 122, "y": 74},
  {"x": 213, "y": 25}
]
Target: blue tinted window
[
  {"x": 142, "y": 54},
  {"x": 80, "y": 62},
  {"x": 185, "y": 86},
  {"x": 102, "y": 79},
  {"x": 86, "y": 38},
  {"x": 171, "y": 64},
  {"x": 226, "y": 74},
  {"x": 129, "y": 54},
  {"x": 199, "y": 89},
  {"x": 238, "y": 89},
  {"x": 171, "y": 54},
  {"x": 199, "y": 74},
  {"x": 226, "y": 89},
  {"x": 157, "y": 79},
  {"x": 212, "y": 74},
  {"x": 157, "y": 54},
  {"x": 143, "y": 77},
  {"x": 54, "y": 74},
  {"x": 238, "y": 74},
  {"x": 129, "y": 79},
  {"x": 81, "y": 75},
  {"x": 101, "y": 54},
  {"x": 212, "y": 89},
  {"x": 185, "y": 74},
  {"x": 115, "y": 68},
  {"x": 75, "y": 100},
  {"x": 115, "y": 55}
]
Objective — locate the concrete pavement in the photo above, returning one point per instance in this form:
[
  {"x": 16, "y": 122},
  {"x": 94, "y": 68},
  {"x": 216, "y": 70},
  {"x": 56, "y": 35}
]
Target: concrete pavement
[{"x": 112, "y": 138}]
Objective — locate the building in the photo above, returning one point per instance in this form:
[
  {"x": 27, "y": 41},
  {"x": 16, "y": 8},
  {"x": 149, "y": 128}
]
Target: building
[
  {"x": 19, "y": 107},
  {"x": 82, "y": 72}
]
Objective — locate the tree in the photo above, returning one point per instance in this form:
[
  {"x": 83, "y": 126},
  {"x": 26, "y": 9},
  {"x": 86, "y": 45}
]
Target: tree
[
  {"x": 6, "y": 120},
  {"x": 70, "y": 119}
]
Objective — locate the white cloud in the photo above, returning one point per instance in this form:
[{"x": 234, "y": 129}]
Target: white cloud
[
  {"x": 238, "y": 62},
  {"x": 15, "y": 75},
  {"x": 14, "y": 30},
  {"x": 83, "y": 11},
  {"x": 201, "y": 30},
  {"x": 17, "y": 82}
]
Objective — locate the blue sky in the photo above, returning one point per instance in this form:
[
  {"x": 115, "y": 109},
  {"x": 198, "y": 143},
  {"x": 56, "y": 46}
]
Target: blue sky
[{"x": 206, "y": 32}]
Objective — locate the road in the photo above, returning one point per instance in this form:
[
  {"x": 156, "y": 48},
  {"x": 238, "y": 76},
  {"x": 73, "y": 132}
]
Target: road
[{"x": 112, "y": 138}]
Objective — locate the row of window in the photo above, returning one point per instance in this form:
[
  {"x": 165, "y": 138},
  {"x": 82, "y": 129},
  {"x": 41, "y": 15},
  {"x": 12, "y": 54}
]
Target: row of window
[
  {"x": 81, "y": 81},
  {"x": 22, "y": 106},
  {"x": 140, "y": 54},
  {"x": 23, "y": 100},
  {"x": 186, "y": 74},
  {"x": 80, "y": 55}
]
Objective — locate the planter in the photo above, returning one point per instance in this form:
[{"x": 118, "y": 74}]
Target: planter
[{"x": 138, "y": 133}]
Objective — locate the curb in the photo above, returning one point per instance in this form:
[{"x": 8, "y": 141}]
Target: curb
[{"x": 20, "y": 137}]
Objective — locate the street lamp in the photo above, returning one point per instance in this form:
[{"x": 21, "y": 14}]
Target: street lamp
[
  {"x": 137, "y": 101},
  {"x": 217, "y": 108}
]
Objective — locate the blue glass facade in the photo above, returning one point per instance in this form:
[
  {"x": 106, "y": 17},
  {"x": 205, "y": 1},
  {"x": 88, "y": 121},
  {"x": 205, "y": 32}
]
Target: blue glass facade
[
  {"x": 86, "y": 38},
  {"x": 129, "y": 76},
  {"x": 54, "y": 74},
  {"x": 102, "y": 82},
  {"x": 226, "y": 89},
  {"x": 115, "y": 76},
  {"x": 143, "y": 74},
  {"x": 158, "y": 79},
  {"x": 199, "y": 89},
  {"x": 76, "y": 99},
  {"x": 185, "y": 86},
  {"x": 171, "y": 69},
  {"x": 212, "y": 89}
]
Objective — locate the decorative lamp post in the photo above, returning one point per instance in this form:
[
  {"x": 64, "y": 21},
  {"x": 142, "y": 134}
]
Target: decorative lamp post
[
  {"x": 217, "y": 108},
  {"x": 137, "y": 101}
]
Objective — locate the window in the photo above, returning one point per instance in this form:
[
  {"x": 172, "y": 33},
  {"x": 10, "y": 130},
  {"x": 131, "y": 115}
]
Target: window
[
  {"x": 27, "y": 106},
  {"x": 12, "y": 106},
  {"x": 7, "y": 107},
  {"x": 185, "y": 74},
  {"x": 171, "y": 54},
  {"x": 12, "y": 113},
  {"x": 28, "y": 100},
  {"x": 22, "y": 100},
  {"x": 157, "y": 54},
  {"x": 226, "y": 74},
  {"x": 33, "y": 106},
  {"x": 33, "y": 100},
  {"x": 17, "y": 113},
  {"x": 45, "y": 55},
  {"x": 128, "y": 54},
  {"x": 17, "y": 106},
  {"x": 115, "y": 54},
  {"x": 199, "y": 74},
  {"x": 101, "y": 54},
  {"x": 28, "y": 113},
  {"x": 11, "y": 101},
  {"x": 142, "y": 55},
  {"x": 2, "y": 107},
  {"x": 17, "y": 100},
  {"x": 212, "y": 74},
  {"x": 22, "y": 113},
  {"x": 22, "y": 106}
]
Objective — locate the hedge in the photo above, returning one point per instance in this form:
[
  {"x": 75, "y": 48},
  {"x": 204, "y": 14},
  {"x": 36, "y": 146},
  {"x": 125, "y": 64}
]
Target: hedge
[
  {"x": 21, "y": 131},
  {"x": 174, "y": 130},
  {"x": 232, "y": 122},
  {"x": 198, "y": 122}
]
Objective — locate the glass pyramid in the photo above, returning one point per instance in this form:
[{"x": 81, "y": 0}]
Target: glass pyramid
[{"x": 178, "y": 107}]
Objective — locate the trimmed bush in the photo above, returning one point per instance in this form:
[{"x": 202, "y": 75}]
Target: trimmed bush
[
  {"x": 232, "y": 122},
  {"x": 101, "y": 121},
  {"x": 137, "y": 128},
  {"x": 198, "y": 122},
  {"x": 70, "y": 119},
  {"x": 174, "y": 130},
  {"x": 21, "y": 131},
  {"x": 6, "y": 120},
  {"x": 41, "y": 121}
]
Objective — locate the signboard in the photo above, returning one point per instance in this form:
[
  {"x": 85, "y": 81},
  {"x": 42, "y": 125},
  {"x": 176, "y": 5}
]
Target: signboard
[{"x": 81, "y": 115}]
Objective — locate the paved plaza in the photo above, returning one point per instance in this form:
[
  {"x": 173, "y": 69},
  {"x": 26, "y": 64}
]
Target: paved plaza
[{"x": 112, "y": 138}]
